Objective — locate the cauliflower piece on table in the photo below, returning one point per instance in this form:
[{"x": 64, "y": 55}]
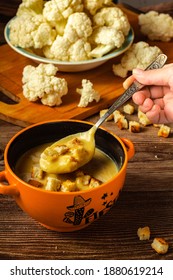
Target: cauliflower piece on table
[
  {"x": 31, "y": 31},
  {"x": 40, "y": 83},
  {"x": 88, "y": 94},
  {"x": 139, "y": 55},
  {"x": 157, "y": 26},
  {"x": 30, "y": 7},
  {"x": 94, "y": 5}
]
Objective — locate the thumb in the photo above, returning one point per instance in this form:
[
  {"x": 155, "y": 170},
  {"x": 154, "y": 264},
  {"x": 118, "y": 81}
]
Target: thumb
[{"x": 158, "y": 77}]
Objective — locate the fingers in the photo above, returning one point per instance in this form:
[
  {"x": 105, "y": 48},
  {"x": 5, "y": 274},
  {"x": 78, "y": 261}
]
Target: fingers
[
  {"x": 160, "y": 77},
  {"x": 147, "y": 105},
  {"x": 154, "y": 114}
]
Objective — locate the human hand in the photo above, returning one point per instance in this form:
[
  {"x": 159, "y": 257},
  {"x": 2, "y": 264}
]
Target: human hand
[{"x": 156, "y": 99}]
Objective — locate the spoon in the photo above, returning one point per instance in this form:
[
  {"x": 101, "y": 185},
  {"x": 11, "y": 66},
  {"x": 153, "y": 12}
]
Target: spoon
[{"x": 71, "y": 152}]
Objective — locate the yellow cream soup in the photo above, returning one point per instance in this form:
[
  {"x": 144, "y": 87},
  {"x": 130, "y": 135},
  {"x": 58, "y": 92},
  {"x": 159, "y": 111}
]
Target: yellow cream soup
[{"x": 99, "y": 170}]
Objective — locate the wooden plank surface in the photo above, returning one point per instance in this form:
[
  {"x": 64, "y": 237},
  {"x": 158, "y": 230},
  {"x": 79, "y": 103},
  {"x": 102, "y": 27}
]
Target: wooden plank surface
[{"x": 146, "y": 199}]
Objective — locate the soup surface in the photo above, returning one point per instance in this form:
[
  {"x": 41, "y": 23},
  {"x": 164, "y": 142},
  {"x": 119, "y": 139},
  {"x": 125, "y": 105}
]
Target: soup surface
[{"x": 99, "y": 170}]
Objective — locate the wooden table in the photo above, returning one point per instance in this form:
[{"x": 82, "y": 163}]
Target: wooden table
[{"x": 146, "y": 200}]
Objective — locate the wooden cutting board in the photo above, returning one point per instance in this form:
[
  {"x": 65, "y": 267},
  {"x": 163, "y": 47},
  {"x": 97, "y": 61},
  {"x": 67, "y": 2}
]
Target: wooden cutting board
[{"x": 24, "y": 112}]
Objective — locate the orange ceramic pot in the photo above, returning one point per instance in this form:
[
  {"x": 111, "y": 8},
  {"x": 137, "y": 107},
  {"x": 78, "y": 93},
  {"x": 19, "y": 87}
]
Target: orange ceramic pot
[{"x": 61, "y": 211}]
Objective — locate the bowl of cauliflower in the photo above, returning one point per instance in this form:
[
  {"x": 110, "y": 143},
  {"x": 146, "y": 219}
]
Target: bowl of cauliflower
[{"x": 74, "y": 35}]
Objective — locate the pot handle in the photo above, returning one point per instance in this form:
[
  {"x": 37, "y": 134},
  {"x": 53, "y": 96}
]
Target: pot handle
[
  {"x": 129, "y": 147},
  {"x": 7, "y": 189}
]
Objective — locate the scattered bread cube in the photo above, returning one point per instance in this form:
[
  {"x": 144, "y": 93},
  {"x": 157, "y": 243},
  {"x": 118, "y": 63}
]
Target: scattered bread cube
[
  {"x": 143, "y": 119},
  {"x": 102, "y": 112},
  {"x": 120, "y": 120},
  {"x": 160, "y": 245},
  {"x": 117, "y": 115},
  {"x": 144, "y": 233},
  {"x": 122, "y": 123},
  {"x": 129, "y": 109},
  {"x": 134, "y": 126},
  {"x": 164, "y": 131}
]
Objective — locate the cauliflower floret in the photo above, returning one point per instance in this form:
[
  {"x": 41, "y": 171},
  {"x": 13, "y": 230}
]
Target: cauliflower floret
[
  {"x": 106, "y": 39},
  {"x": 79, "y": 26},
  {"x": 40, "y": 83},
  {"x": 88, "y": 94},
  {"x": 27, "y": 31},
  {"x": 57, "y": 12},
  {"x": 58, "y": 50},
  {"x": 114, "y": 17},
  {"x": 111, "y": 27},
  {"x": 156, "y": 26},
  {"x": 79, "y": 51},
  {"x": 94, "y": 5},
  {"x": 30, "y": 6},
  {"x": 139, "y": 55},
  {"x": 73, "y": 45}
]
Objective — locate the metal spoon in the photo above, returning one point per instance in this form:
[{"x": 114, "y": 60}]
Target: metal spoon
[{"x": 65, "y": 165}]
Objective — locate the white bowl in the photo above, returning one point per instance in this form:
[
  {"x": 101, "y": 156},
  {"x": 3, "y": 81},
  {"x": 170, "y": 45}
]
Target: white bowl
[{"x": 66, "y": 66}]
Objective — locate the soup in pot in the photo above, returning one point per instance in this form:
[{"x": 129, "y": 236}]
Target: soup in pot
[{"x": 99, "y": 170}]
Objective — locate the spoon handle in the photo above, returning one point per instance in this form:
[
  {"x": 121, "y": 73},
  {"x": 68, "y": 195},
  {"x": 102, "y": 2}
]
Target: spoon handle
[{"x": 135, "y": 86}]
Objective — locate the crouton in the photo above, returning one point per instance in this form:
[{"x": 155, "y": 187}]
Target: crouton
[
  {"x": 164, "y": 131},
  {"x": 37, "y": 172},
  {"x": 129, "y": 109},
  {"x": 160, "y": 245},
  {"x": 122, "y": 123},
  {"x": 117, "y": 115},
  {"x": 144, "y": 233},
  {"x": 68, "y": 186},
  {"x": 143, "y": 119},
  {"x": 35, "y": 183},
  {"x": 52, "y": 184},
  {"x": 102, "y": 112},
  {"x": 134, "y": 126},
  {"x": 94, "y": 183},
  {"x": 120, "y": 120}
]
